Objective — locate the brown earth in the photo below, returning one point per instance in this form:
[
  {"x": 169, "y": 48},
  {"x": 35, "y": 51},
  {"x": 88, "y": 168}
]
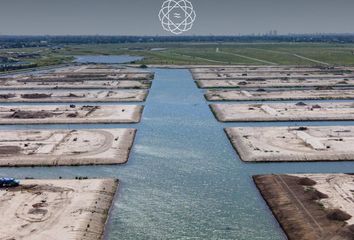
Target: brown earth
[{"x": 294, "y": 202}]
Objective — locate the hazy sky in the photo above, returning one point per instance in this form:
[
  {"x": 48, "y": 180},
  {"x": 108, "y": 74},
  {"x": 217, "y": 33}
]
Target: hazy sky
[{"x": 139, "y": 17}]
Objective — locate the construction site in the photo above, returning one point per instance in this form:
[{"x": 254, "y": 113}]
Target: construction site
[
  {"x": 56, "y": 209},
  {"x": 307, "y": 206},
  {"x": 97, "y": 111},
  {"x": 70, "y": 209}
]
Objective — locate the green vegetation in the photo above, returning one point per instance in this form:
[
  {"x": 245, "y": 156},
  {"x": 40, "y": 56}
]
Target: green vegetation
[
  {"x": 217, "y": 53},
  {"x": 308, "y": 54}
]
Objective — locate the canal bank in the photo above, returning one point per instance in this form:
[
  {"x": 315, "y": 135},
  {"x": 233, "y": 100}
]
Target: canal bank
[{"x": 183, "y": 179}]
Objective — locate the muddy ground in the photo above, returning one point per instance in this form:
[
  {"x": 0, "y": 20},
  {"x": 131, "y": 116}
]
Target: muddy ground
[{"x": 296, "y": 203}]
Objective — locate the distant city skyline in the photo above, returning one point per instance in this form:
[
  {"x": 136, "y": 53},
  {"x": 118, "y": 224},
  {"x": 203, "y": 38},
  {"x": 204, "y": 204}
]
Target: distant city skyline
[{"x": 138, "y": 17}]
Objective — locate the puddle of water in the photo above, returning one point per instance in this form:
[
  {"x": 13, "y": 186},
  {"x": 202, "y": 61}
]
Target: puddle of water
[{"x": 183, "y": 179}]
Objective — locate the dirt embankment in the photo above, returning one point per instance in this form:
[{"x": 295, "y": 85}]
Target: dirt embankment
[
  {"x": 56, "y": 209},
  {"x": 295, "y": 203}
]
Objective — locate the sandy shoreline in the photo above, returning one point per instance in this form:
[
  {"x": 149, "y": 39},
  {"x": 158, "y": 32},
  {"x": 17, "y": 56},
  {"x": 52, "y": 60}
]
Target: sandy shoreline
[{"x": 56, "y": 209}]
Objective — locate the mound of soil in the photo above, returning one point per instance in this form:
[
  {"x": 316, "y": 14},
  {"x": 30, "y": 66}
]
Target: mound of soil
[
  {"x": 35, "y": 95},
  {"x": 72, "y": 95},
  {"x": 31, "y": 114},
  {"x": 38, "y": 211},
  {"x": 301, "y": 104},
  {"x": 10, "y": 149},
  {"x": 316, "y": 195},
  {"x": 7, "y": 96},
  {"x": 306, "y": 182},
  {"x": 338, "y": 215},
  {"x": 73, "y": 115},
  {"x": 242, "y": 83},
  {"x": 293, "y": 203},
  {"x": 324, "y": 88}
]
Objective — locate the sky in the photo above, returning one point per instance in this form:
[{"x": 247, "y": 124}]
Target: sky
[{"x": 140, "y": 17}]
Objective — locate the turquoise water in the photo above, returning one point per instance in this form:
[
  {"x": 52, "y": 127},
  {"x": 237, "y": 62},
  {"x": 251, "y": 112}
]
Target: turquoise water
[
  {"x": 183, "y": 179},
  {"x": 107, "y": 59}
]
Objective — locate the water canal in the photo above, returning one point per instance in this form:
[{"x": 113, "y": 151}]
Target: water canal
[{"x": 183, "y": 179}]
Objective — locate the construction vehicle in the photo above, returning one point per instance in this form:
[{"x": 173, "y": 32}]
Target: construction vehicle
[{"x": 9, "y": 182}]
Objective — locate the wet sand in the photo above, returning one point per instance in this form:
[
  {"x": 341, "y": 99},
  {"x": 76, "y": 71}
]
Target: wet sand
[
  {"x": 56, "y": 209},
  {"x": 70, "y": 114},
  {"x": 311, "y": 206},
  {"x": 65, "y": 147},
  {"x": 292, "y": 144},
  {"x": 284, "y": 112}
]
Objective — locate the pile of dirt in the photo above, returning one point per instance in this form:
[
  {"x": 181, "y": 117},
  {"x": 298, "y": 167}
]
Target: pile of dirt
[
  {"x": 10, "y": 149},
  {"x": 296, "y": 207},
  {"x": 301, "y": 104},
  {"x": 338, "y": 215},
  {"x": 73, "y": 115},
  {"x": 7, "y": 96},
  {"x": 73, "y": 95},
  {"x": 324, "y": 88},
  {"x": 315, "y": 194},
  {"x": 35, "y": 95},
  {"x": 306, "y": 181},
  {"x": 31, "y": 114}
]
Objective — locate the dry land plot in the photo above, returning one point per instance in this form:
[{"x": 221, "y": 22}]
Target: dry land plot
[
  {"x": 70, "y": 76},
  {"x": 268, "y": 75},
  {"x": 311, "y": 206},
  {"x": 56, "y": 209},
  {"x": 284, "y": 112},
  {"x": 268, "y": 69},
  {"x": 277, "y": 83},
  {"x": 14, "y": 84},
  {"x": 74, "y": 96},
  {"x": 71, "y": 114},
  {"x": 92, "y": 71},
  {"x": 286, "y": 94},
  {"x": 277, "y": 144},
  {"x": 65, "y": 147}
]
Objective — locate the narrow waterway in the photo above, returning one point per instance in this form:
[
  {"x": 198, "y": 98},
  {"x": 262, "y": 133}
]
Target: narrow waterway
[{"x": 183, "y": 179}]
